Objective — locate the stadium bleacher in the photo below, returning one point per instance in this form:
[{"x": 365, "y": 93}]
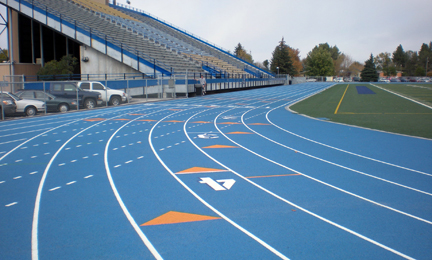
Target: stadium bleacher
[{"x": 173, "y": 50}]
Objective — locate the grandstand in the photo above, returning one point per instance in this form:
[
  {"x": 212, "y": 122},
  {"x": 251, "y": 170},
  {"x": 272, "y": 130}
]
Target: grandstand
[{"x": 112, "y": 38}]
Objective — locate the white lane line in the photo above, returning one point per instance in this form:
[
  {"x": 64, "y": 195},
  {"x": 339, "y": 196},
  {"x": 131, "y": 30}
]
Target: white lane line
[
  {"x": 88, "y": 176},
  {"x": 2, "y": 182},
  {"x": 72, "y": 182},
  {"x": 20, "y": 160},
  {"x": 140, "y": 157},
  {"x": 17, "y": 177},
  {"x": 257, "y": 239},
  {"x": 11, "y": 204},
  {"x": 56, "y": 188},
  {"x": 34, "y": 156},
  {"x": 335, "y": 164},
  {"x": 85, "y": 157},
  {"x": 345, "y": 151},
  {"x": 132, "y": 221},
  {"x": 33, "y": 172},
  {"x": 129, "y": 161},
  {"x": 8, "y": 142},
  {"x": 118, "y": 165},
  {"x": 73, "y": 161},
  {"x": 61, "y": 164},
  {"x": 289, "y": 202},
  {"x": 95, "y": 154}
]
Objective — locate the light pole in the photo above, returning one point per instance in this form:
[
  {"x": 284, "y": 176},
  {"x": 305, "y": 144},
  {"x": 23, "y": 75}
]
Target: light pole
[{"x": 277, "y": 70}]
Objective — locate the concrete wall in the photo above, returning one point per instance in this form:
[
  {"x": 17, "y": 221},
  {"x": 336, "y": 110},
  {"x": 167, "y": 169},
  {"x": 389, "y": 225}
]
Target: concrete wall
[{"x": 99, "y": 63}]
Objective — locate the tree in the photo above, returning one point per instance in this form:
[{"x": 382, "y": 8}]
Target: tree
[
  {"x": 425, "y": 56},
  {"x": 384, "y": 63},
  {"x": 266, "y": 64},
  {"x": 281, "y": 59},
  {"x": 240, "y": 52},
  {"x": 355, "y": 68},
  {"x": 319, "y": 62},
  {"x": 399, "y": 57},
  {"x": 4, "y": 55},
  {"x": 295, "y": 58},
  {"x": 369, "y": 72},
  {"x": 411, "y": 63},
  {"x": 65, "y": 66}
]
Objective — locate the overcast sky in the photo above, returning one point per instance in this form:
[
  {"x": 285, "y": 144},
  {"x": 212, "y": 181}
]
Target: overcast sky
[{"x": 357, "y": 28}]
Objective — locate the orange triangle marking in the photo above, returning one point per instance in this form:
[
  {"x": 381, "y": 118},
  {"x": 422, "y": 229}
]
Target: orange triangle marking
[
  {"x": 258, "y": 124},
  {"x": 201, "y": 122},
  {"x": 121, "y": 119},
  {"x": 174, "y": 217},
  {"x": 149, "y": 120},
  {"x": 221, "y": 146},
  {"x": 239, "y": 133},
  {"x": 174, "y": 121},
  {"x": 230, "y": 123},
  {"x": 94, "y": 119},
  {"x": 199, "y": 170}
]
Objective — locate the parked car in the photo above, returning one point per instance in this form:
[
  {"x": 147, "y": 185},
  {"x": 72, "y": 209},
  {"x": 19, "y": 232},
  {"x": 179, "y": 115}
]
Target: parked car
[
  {"x": 338, "y": 79},
  {"x": 52, "y": 102},
  {"x": 395, "y": 80},
  {"x": 356, "y": 79},
  {"x": 7, "y": 104},
  {"x": 383, "y": 80},
  {"x": 27, "y": 106},
  {"x": 404, "y": 79},
  {"x": 115, "y": 97},
  {"x": 70, "y": 90}
]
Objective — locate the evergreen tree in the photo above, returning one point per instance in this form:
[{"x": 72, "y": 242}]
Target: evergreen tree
[
  {"x": 399, "y": 57},
  {"x": 369, "y": 72},
  {"x": 425, "y": 57},
  {"x": 411, "y": 63},
  {"x": 281, "y": 59},
  {"x": 240, "y": 52}
]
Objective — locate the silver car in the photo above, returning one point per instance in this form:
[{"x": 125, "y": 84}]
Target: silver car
[{"x": 27, "y": 106}]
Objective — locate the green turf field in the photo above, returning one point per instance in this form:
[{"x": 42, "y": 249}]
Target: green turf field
[{"x": 382, "y": 110}]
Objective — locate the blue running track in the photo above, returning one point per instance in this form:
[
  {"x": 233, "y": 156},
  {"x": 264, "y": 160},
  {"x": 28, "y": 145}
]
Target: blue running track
[{"x": 226, "y": 176}]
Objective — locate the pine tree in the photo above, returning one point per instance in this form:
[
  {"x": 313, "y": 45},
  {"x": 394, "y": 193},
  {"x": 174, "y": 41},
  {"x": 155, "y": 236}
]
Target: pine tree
[
  {"x": 369, "y": 72},
  {"x": 281, "y": 59}
]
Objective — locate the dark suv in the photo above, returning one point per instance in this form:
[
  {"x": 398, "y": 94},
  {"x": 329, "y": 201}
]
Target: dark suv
[{"x": 70, "y": 90}]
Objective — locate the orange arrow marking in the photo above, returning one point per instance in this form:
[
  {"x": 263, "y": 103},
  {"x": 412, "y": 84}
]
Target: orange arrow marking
[
  {"x": 149, "y": 120},
  {"x": 174, "y": 121},
  {"x": 239, "y": 133},
  {"x": 220, "y": 146},
  {"x": 174, "y": 217},
  {"x": 94, "y": 119},
  {"x": 122, "y": 119},
  {"x": 201, "y": 122},
  {"x": 199, "y": 170}
]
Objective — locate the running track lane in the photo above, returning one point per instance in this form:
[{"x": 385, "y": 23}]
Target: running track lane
[{"x": 292, "y": 187}]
